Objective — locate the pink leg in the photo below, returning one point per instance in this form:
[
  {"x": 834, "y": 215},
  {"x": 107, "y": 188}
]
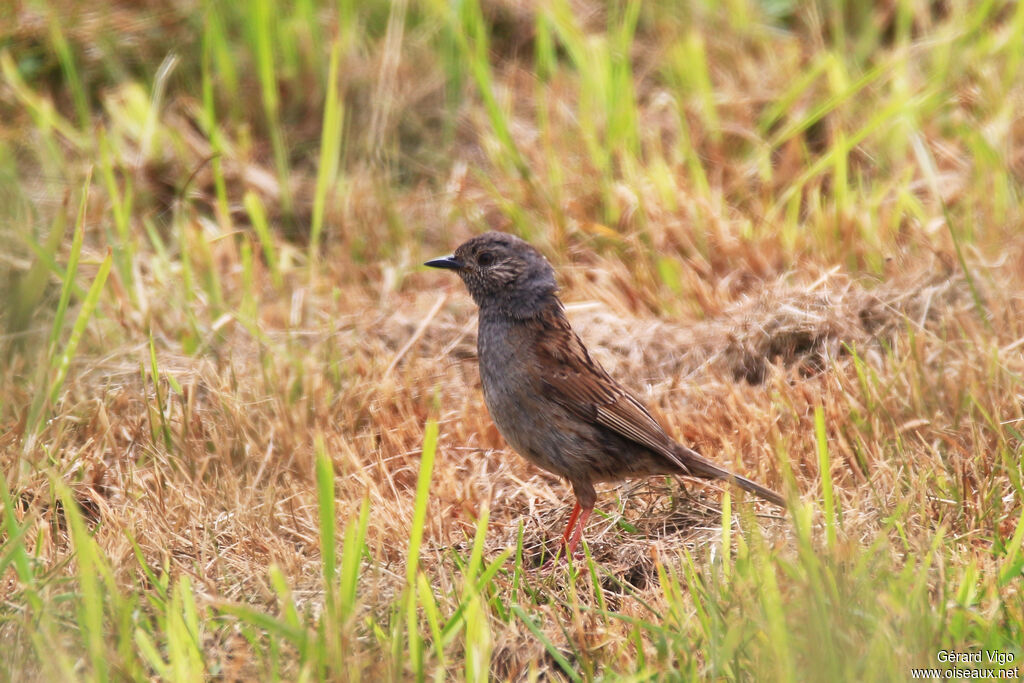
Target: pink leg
[
  {"x": 578, "y": 534},
  {"x": 572, "y": 522}
]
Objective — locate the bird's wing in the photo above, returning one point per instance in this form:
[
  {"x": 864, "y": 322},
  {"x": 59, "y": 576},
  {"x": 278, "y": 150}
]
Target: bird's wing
[{"x": 571, "y": 378}]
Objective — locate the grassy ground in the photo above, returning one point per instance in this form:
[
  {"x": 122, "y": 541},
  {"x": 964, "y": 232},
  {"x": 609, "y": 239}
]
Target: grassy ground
[{"x": 241, "y": 430}]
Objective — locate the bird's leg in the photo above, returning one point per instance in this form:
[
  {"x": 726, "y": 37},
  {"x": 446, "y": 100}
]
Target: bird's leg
[
  {"x": 569, "y": 539},
  {"x": 572, "y": 522},
  {"x": 578, "y": 533}
]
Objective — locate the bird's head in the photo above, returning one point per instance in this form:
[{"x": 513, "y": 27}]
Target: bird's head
[{"x": 503, "y": 271}]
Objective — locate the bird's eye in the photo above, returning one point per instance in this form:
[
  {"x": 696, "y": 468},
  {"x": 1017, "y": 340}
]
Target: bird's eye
[{"x": 485, "y": 259}]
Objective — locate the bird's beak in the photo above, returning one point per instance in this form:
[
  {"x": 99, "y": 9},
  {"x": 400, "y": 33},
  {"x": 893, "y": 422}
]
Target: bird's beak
[{"x": 449, "y": 262}]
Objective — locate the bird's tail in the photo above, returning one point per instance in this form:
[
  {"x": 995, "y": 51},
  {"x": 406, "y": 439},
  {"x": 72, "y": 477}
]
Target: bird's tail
[{"x": 699, "y": 466}]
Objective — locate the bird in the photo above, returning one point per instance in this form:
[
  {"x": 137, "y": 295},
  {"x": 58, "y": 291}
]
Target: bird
[{"x": 550, "y": 400}]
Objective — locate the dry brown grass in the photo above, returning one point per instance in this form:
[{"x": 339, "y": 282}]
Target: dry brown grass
[
  {"x": 234, "y": 494},
  {"x": 732, "y": 313}
]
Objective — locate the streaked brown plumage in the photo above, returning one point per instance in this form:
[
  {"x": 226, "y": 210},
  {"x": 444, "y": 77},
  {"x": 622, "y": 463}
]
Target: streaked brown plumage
[{"x": 551, "y": 401}]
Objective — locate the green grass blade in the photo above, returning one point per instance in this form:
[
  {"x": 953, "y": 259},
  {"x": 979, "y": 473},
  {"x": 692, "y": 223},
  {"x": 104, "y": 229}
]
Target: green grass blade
[
  {"x": 325, "y": 503},
  {"x": 88, "y": 306},
  {"x": 150, "y": 654},
  {"x": 265, "y": 622},
  {"x": 258, "y": 217},
  {"x": 16, "y": 552},
  {"x": 476, "y": 555},
  {"x": 478, "y": 641},
  {"x": 32, "y": 285},
  {"x": 825, "y": 472},
  {"x": 456, "y": 621},
  {"x": 352, "y": 552},
  {"x": 556, "y": 655},
  {"x": 71, "y": 73},
  {"x": 1012, "y": 566},
  {"x": 330, "y": 149},
  {"x": 185, "y": 659},
  {"x": 430, "y": 610},
  {"x": 419, "y": 514},
  {"x": 931, "y": 174},
  {"x": 726, "y": 536},
  {"x": 90, "y": 613},
  {"x": 72, "y": 268},
  {"x": 263, "y": 23}
]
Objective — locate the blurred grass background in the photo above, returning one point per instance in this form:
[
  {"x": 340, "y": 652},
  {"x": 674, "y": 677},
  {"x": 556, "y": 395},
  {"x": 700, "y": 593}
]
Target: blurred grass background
[{"x": 240, "y": 432}]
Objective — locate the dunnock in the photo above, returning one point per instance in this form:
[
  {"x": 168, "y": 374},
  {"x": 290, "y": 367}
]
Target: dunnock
[{"x": 551, "y": 401}]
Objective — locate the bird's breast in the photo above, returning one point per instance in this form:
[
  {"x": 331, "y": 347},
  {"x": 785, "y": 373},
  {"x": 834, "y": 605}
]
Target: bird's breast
[
  {"x": 511, "y": 385},
  {"x": 505, "y": 373}
]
